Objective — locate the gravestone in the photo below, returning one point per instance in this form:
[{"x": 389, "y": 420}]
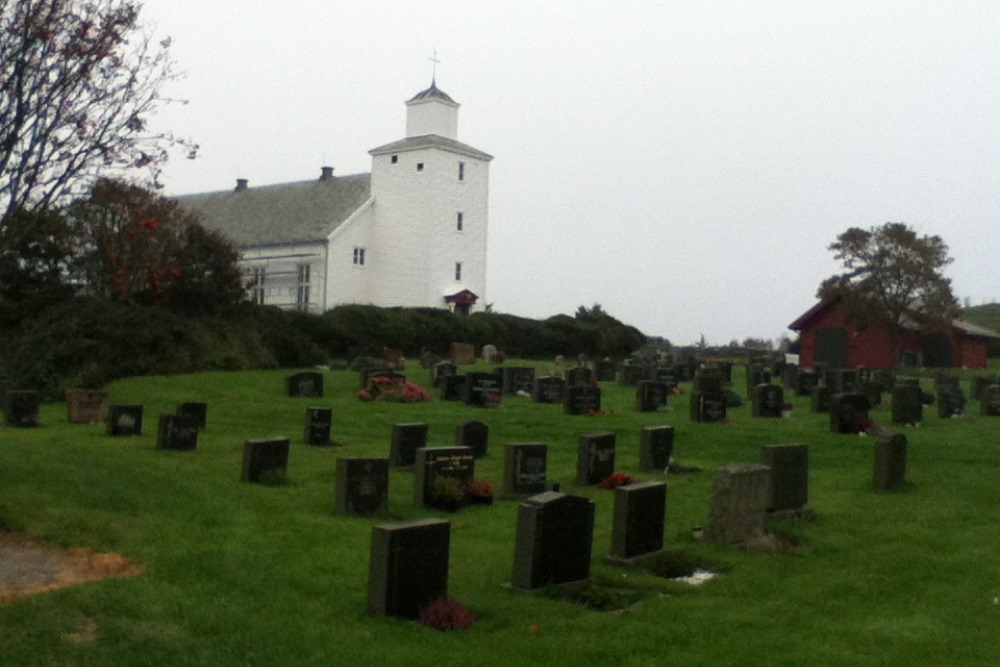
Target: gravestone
[
  {"x": 805, "y": 381},
  {"x": 820, "y": 399},
  {"x": 739, "y": 502},
  {"x": 559, "y": 367},
  {"x": 950, "y": 400},
  {"x": 907, "y": 404},
  {"x": 990, "y": 400},
  {"x": 452, "y": 387},
  {"x": 651, "y": 396},
  {"x": 580, "y": 375},
  {"x": 768, "y": 401},
  {"x": 516, "y": 379},
  {"x": 843, "y": 380},
  {"x": 629, "y": 375},
  {"x": 708, "y": 380},
  {"x": 666, "y": 376},
  {"x": 756, "y": 375},
  {"x": 725, "y": 371},
  {"x": 872, "y": 389},
  {"x": 481, "y": 390},
  {"x": 656, "y": 446},
  {"x": 848, "y": 413},
  {"x": 408, "y": 567},
  {"x": 475, "y": 435},
  {"x": 980, "y": 384},
  {"x": 362, "y": 486},
  {"x": 306, "y": 385},
  {"x": 708, "y": 406},
  {"x": 265, "y": 460},
  {"x": 441, "y": 371},
  {"x": 86, "y": 406},
  {"x": 555, "y": 535},
  {"x": 890, "y": 463},
  {"x": 582, "y": 399},
  {"x": 548, "y": 389},
  {"x": 788, "y": 490},
  {"x": 525, "y": 467},
  {"x": 639, "y": 517},
  {"x": 199, "y": 411},
  {"x": 489, "y": 353},
  {"x": 177, "y": 432},
  {"x": 406, "y": 440},
  {"x": 318, "y": 424},
  {"x": 463, "y": 354},
  {"x": 124, "y": 420},
  {"x": 604, "y": 370},
  {"x": 442, "y": 476},
  {"x": 21, "y": 407},
  {"x": 595, "y": 458}
]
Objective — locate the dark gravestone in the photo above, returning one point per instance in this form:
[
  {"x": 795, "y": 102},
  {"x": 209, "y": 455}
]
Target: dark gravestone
[
  {"x": 708, "y": 407},
  {"x": 548, "y": 389},
  {"x": 768, "y": 400},
  {"x": 318, "y": 423},
  {"x": 517, "y": 379},
  {"x": 907, "y": 404},
  {"x": 362, "y": 486},
  {"x": 555, "y": 534},
  {"x": 595, "y": 458},
  {"x": 640, "y": 514},
  {"x": 604, "y": 370},
  {"x": 177, "y": 432},
  {"x": 656, "y": 446},
  {"x": 409, "y": 567},
  {"x": 630, "y": 375},
  {"x": 482, "y": 390},
  {"x": 848, "y": 413},
  {"x": 872, "y": 389},
  {"x": 843, "y": 380},
  {"x": 582, "y": 399},
  {"x": 442, "y": 476},
  {"x": 579, "y": 376},
  {"x": 651, "y": 396},
  {"x": 708, "y": 380},
  {"x": 666, "y": 376},
  {"x": 726, "y": 371},
  {"x": 805, "y": 382},
  {"x": 989, "y": 399},
  {"x": 890, "y": 463},
  {"x": 525, "y": 467},
  {"x": 950, "y": 400},
  {"x": 306, "y": 385},
  {"x": 406, "y": 440},
  {"x": 441, "y": 371},
  {"x": 475, "y": 435},
  {"x": 124, "y": 420},
  {"x": 739, "y": 502},
  {"x": 452, "y": 387},
  {"x": 199, "y": 411},
  {"x": 265, "y": 460},
  {"x": 756, "y": 375},
  {"x": 980, "y": 384},
  {"x": 788, "y": 491},
  {"x": 86, "y": 406},
  {"x": 820, "y": 399},
  {"x": 21, "y": 407}
]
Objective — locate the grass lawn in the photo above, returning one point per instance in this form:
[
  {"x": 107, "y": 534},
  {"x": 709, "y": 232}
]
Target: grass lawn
[{"x": 243, "y": 574}]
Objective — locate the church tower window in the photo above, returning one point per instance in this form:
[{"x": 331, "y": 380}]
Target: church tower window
[
  {"x": 359, "y": 256},
  {"x": 461, "y": 171},
  {"x": 458, "y": 270},
  {"x": 460, "y": 221}
]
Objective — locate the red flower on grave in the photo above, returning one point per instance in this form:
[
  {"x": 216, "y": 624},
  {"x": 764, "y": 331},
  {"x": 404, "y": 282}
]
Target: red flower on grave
[{"x": 616, "y": 479}]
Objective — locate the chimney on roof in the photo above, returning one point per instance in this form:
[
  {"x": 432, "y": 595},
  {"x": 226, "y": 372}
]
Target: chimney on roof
[
  {"x": 326, "y": 173},
  {"x": 241, "y": 184}
]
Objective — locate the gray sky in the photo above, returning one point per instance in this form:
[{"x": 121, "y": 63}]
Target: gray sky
[{"x": 684, "y": 164}]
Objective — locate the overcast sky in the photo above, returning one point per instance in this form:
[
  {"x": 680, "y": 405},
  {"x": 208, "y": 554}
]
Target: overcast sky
[{"x": 684, "y": 164}]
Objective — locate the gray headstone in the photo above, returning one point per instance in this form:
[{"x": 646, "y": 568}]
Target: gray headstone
[
  {"x": 362, "y": 486},
  {"x": 656, "y": 446},
  {"x": 890, "y": 463},
  {"x": 739, "y": 503},
  {"x": 525, "y": 468},
  {"x": 640, "y": 515},
  {"x": 555, "y": 534},
  {"x": 595, "y": 458},
  {"x": 408, "y": 567}
]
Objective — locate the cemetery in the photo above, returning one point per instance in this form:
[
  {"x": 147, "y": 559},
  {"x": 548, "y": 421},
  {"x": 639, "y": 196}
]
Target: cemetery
[{"x": 221, "y": 532}]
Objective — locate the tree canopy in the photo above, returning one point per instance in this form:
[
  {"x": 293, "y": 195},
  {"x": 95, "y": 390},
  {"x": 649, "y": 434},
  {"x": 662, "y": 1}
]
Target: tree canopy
[
  {"x": 78, "y": 79},
  {"x": 891, "y": 273}
]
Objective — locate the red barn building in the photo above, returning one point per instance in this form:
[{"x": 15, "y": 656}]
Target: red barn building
[{"x": 827, "y": 338}]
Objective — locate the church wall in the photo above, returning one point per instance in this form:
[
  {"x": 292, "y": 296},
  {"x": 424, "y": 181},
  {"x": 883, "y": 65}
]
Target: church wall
[
  {"x": 288, "y": 276},
  {"x": 353, "y": 261}
]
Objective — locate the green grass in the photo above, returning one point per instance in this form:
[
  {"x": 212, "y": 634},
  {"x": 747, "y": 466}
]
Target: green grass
[{"x": 241, "y": 574}]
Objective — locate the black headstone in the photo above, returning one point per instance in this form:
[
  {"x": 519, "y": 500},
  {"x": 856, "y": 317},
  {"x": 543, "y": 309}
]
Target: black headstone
[
  {"x": 848, "y": 413},
  {"x": 525, "y": 466},
  {"x": 890, "y": 463},
  {"x": 318, "y": 423},
  {"x": 595, "y": 458},
  {"x": 21, "y": 407},
  {"x": 767, "y": 400},
  {"x": 306, "y": 385},
  {"x": 517, "y": 379},
  {"x": 475, "y": 435},
  {"x": 265, "y": 460},
  {"x": 406, "y": 440},
  {"x": 452, "y": 387},
  {"x": 408, "y": 567},
  {"x": 124, "y": 420},
  {"x": 950, "y": 400},
  {"x": 177, "y": 432},
  {"x": 651, "y": 396},
  {"x": 442, "y": 476},
  {"x": 441, "y": 371},
  {"x": 640, "y": 514},
  {"x": 656, "y": 446},
  {"x": 362, "y": 486},
  {"x": 708, "y": 406},
  {"x": 820, "y": 399},
  {"x": 548, "y": 389},
  {"x": 582, "y": 399},
  {"x": 482, "y": 390},
  {"x": 789, "y": 464},
  {"x": 199, "y": 411},
  {"x": 907, "y": 404},
  {"x": 989, "y": 400},
  {"x": 555, "y": 534},
  {"x": 578, "y": 376}
]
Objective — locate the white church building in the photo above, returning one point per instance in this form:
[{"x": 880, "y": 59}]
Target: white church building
[{"x": 411, "y": 233}]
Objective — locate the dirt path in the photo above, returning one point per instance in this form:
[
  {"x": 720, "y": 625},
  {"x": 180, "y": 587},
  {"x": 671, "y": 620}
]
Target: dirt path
[{"x": 28, "y": 567}]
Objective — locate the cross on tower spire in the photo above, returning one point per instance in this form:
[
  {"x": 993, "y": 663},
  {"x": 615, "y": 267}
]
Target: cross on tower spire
[{"x": 435, "y": 61}]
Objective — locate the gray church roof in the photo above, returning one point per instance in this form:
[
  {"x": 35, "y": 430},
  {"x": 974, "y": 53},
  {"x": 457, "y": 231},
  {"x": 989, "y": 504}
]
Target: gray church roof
[
  {"x": 282, "y": 213},
  {"x": 431, "y": 141},
  {"x": 431, "y": 93}
]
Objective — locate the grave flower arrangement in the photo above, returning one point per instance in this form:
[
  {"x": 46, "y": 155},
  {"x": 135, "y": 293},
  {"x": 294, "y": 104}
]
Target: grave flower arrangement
[
  {"x": 446, "y": 614},
  {"x": 394, "y": 389},
  {"x": 617, "y": 479},
  {"x": 480, "y": 492}
]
